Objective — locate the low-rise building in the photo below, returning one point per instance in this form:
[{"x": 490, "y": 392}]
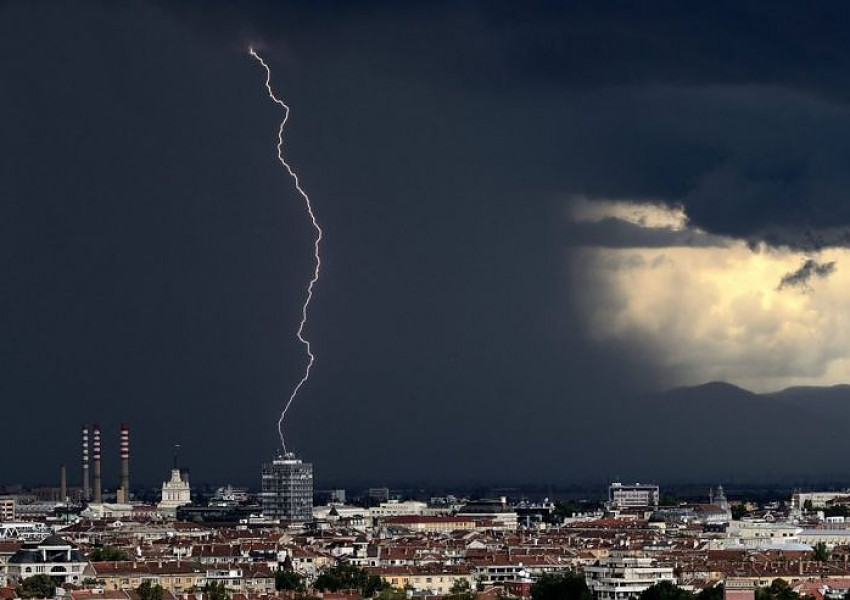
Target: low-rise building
[
  {"x": 53, "y": 556},
  {"x": 7, "y": 509},
  {"x": 432, "y": 579},
  {"x": 431, "y": 524}
]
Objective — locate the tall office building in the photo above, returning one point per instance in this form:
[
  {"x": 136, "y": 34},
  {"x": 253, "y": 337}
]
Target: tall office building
[{"x": 287, "y": 490}]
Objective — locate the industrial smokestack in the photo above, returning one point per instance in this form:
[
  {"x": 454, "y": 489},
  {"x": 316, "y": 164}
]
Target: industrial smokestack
[
  {"x": 98, "y": 495},
  {"x": 125, "y": 461},
  {"x": 86, "y": 492},
  {"x": 63, "y": 484}
]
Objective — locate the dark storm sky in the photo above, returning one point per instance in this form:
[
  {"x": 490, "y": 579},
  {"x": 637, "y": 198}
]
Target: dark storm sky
[{"x": 154, "y": 254}]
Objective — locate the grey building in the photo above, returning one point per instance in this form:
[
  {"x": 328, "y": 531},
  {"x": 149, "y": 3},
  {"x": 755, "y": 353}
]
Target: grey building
[
  {"x": 635, "y": 495},
  {"x": 287, "y": 489}
]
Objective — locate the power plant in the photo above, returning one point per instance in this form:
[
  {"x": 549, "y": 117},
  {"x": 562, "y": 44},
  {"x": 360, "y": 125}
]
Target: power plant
[{"x": 94, "y": 493}]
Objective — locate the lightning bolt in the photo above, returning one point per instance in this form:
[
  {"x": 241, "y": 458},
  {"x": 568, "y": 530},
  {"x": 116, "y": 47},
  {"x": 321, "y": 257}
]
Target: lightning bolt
[{"x": 309, "y": 206}]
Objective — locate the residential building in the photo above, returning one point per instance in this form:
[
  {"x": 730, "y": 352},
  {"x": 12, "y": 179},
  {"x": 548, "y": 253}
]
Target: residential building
[
  {"x": 430, "y": 579},
  {"x": 800, "y": 500},
  {"x": 7, "y": 509},
  {"x": 495, "y": 514},
  {"x": 53, "y": 556},
  {"x": 431, "y": 524}
]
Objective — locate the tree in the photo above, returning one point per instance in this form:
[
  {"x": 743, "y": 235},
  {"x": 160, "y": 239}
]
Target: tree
[
  {"x": 569, "y": 586},
  {"x": 820, "y": 553},
  {"x": 665, "y": 590},
  {"x": 348, "y": 577},
  {"x": 777, "y": 590},
  {"x": 837, "y": 510},
  {"x": 716, "y": 592},
  {"x": 461, "y": 590},
  {"x": 669, "y": 500},
  {"x": 374, "y": 584},
  {"x": 391, "y": 593},
  {"x": 107, "y": 553},
  {"x": 216, "y": 591},
  {"x": 288, "y": 580},
  {"x": 738, "y": 511},
  {"x": 37, "y": 586},
  {"x": 808, "y": 506},
  {"x": 147, "y": 591}
]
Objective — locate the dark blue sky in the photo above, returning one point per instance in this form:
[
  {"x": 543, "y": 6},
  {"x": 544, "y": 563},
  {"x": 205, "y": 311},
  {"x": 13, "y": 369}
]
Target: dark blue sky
[{"x": 155, "y": 254}]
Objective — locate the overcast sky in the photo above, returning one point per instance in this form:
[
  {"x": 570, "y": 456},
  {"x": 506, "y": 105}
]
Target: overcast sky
[{"x": 530, "y": 210}]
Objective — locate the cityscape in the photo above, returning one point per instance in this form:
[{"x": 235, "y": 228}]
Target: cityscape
[
  {"x": 457, "y": 300},
  {"x": 88, "y": 538}
]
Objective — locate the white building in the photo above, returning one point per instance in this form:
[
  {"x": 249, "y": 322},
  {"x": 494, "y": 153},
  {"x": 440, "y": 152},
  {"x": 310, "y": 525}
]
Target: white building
[
  {"x": 175, "y": 493},
  {"x": 338, "y": 511},
  {"x": 816, "y": 499},
  {"x": 496, "y": 512},
  {"x": 636, "y": 495},
  {"x": 620, "y": 578},
  {"x": 761, "y": 534},
  {"x": 229, "y": 496},
  {"x": 394, "y": 508},
  {"x": 831, "y": 536},
  {"x": 53, "y": 556}
]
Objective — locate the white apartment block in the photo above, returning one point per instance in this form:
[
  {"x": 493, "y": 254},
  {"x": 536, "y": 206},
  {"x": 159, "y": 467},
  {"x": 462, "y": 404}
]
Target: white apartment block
[{"x": 620, "y": 578}]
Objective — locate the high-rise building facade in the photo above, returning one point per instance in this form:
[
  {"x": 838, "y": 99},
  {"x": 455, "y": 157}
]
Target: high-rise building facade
[{"x": 287, "y": 489}]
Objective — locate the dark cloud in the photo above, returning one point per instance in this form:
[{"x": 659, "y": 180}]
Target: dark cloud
[
  {"x": 750, "y": 130},
  {"x": 155, "y": 254},
  {"x": 809, "y": 269}
]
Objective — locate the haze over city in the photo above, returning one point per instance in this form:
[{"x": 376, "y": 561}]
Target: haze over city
[{"x": 546, "y": 229}]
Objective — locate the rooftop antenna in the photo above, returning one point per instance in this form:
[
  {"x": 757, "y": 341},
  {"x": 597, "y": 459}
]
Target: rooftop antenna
[{"x": 176, "y": 451}]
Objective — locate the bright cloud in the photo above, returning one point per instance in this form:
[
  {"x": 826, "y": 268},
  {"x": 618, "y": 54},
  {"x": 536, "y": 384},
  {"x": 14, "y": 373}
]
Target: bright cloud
[
  {"x": 584, "y": 210},
  {"x": 718, "y": 313}
]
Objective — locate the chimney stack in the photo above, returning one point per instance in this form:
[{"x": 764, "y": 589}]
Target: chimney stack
[
  {"x": 86, "y": 493},
  {"x": 98, "y": 495},
  {"x": 63, "y": 484},
  {"x": 125, "y": 462}
]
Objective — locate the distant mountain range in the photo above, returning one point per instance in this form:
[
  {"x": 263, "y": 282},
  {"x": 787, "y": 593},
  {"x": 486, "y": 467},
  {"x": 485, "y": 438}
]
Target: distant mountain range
[{"x": 722, "y": 431}]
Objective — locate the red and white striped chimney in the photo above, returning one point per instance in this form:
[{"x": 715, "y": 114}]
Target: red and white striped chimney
[
  {"x": 125, "y": 461},
  {"x": 98, "y": 489},
  {"x": 86, "y": 491}
]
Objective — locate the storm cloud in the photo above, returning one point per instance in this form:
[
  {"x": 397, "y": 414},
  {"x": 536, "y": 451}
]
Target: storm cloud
[
  {"x": 466, "y": 322},
  {"x": 742, "y": 107},
  {"x": 808, "y": 270}
]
